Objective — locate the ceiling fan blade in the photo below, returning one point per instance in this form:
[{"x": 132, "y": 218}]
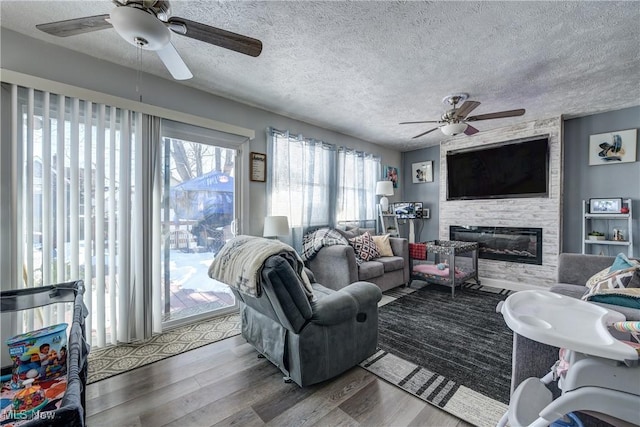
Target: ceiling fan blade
[
  {"x": 174, "y": 63},
  {"x": 71, "y": 27},
  {"x": 498, "y": 115},
  {"x": 424, "y": 133},
  {"x": 466, "y": 108},
  {"x": 424, "y": 121},
  {"x": 216, "y": 36},
  {"x": 470, "y": 130}
]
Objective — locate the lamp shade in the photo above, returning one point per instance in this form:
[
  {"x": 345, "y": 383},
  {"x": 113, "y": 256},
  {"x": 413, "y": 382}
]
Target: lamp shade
[
  {"x": 384, "y": 188},
  {"x": 453, "y": 128},
  {"x": 276, "y": 226}
]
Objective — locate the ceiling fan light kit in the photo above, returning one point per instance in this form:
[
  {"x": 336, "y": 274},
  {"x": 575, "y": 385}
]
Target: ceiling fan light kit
[
  {"x": 140, "y": 28},
  {"x": 147, "y": 25},
  {"x": 454, "y": 128},
  {"x": 454, "y": 120}
]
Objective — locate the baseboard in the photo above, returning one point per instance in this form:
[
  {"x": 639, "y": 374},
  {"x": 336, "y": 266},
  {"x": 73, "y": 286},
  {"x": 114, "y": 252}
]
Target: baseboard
[{"x": 512, "y": 286}]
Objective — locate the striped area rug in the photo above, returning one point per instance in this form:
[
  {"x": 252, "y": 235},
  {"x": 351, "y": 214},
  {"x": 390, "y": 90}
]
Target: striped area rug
[
  {"x": 109, "y": 361},
  {"x": 453, "y": 353}
]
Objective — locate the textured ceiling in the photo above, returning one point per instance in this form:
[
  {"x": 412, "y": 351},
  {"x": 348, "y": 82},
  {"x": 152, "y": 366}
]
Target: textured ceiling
[{"x": 362, "y": 67}]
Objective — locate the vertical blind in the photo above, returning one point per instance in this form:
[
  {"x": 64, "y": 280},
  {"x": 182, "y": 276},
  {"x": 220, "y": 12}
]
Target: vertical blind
[{"x": 82, "y": 213}]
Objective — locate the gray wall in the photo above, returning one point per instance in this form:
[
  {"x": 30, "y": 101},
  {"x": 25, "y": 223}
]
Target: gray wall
[
  {"x": 37, "y": 58},
  {"x": 582, "y": 181},
  {"x": 427, "y": 192}
]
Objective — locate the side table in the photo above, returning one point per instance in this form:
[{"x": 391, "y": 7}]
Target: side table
[{"x": 449, "y": 249}]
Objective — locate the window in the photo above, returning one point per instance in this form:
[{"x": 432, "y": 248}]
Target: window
[
  {"x": 301, "y": 179},
  {"x": 316, "y": 183},
  {"x": 357, "y": 176}
]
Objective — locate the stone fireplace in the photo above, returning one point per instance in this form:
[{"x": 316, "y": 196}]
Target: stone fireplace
[
  {"x": 510, "y": 244},
  {"x": 541, "y": 213}
]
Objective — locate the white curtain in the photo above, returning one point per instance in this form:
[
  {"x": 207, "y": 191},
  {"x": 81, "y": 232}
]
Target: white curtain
[
  {"x": 300, "y": 183},
  {"x": 315, "y": 183},
  {"x": 357, "y": 175},
  {"x": 87, "y": 189}
]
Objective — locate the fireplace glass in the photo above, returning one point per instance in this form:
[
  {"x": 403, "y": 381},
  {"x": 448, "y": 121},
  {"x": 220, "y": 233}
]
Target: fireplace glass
[{"x": 511, "y": 244}]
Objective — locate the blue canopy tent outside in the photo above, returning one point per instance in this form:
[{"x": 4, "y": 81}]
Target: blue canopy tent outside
[
  {"x": 207, "y": 199},
  {"x": 203, "y": 196},
  {"x": 212, "y": 181}
]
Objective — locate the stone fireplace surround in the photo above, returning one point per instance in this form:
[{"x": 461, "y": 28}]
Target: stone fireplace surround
[{"x": 528, "y": 212}]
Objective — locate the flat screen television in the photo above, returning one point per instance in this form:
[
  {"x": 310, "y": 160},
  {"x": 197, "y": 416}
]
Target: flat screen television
[{"x": 512, "y": 169}]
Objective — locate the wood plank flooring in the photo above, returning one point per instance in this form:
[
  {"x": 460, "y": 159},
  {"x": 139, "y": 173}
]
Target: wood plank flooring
[{"x": 226, "y": 384}]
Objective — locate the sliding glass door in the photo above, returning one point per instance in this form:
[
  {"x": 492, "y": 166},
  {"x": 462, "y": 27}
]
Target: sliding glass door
[
  {"x": 135, "y": 206},
  {"x": 198, "y": 218}
]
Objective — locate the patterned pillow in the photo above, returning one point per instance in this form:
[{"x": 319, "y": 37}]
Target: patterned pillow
[
  {"x": 617, "y": 280},
  {"x": 635, "y": 280},
  {"x": 620, "y": 263},
  {"x": 596, "y": 278},
  {"x": 364, "y": 247}
]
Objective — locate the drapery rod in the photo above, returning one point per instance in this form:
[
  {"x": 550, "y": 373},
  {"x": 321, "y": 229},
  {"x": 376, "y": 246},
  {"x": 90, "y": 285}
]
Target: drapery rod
[{"x": 325, "y": 144}]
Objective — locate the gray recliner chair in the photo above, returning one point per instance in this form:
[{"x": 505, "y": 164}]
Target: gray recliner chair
[{"x": 310, "y": 341}]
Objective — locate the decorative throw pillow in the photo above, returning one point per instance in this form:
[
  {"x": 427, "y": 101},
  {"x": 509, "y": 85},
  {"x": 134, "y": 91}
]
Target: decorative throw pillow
[
  {"x": 622, "y": 262},
  {"x": 364, "y": 247},
  {"x": 635, "y": 280},
  {"x": 383, "y": 244},
  {"x": 596, "y": 278},
  {"x": 618, "y": 280}
]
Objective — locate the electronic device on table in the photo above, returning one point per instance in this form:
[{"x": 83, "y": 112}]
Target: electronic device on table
[{"x": 407, "y": 210}]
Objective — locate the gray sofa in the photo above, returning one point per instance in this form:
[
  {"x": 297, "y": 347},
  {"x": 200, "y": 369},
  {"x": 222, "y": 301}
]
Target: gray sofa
[
  {"x": 309, "y": 341},
  {"x": 533, "y": 359},
  {"x": 336, "y": 266}
]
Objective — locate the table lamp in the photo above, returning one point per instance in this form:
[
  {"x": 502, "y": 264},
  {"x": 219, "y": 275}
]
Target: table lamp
[
  {"x": 384, "y": 188},
  {"x": 275, "y": 226}
]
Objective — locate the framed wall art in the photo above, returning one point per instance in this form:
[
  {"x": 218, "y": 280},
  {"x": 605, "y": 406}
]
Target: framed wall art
[
  {"x": 391, "y": 174},
  {"x": 422, "y": 172},
  {"x": 258, "y": 167},
  {"x": 613, "y": 147}
]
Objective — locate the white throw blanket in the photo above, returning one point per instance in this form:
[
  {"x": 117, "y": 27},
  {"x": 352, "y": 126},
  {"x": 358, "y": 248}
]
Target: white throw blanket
[{"x": 239, "y": 263}]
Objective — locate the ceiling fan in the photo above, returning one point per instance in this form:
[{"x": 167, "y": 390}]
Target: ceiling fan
[
  {"x": 148, "y": 25},
  {"x": 455, "y": 119}
]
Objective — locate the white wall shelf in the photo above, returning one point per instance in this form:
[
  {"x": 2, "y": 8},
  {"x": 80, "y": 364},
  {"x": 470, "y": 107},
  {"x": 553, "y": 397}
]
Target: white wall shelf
[
  {"x": 607, "y": 223},
  {"x": 388, "y": 223}
]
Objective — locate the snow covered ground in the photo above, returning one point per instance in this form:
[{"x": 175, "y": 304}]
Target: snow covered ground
[{"x": 190, "y": 271}]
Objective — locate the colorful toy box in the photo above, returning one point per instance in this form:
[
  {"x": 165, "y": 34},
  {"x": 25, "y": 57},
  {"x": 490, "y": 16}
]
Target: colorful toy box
[{"x": 39, "y": 355}]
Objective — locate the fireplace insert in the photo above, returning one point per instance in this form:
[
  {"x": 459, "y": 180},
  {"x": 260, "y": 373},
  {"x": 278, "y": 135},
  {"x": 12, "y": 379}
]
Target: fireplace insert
[{"x": 511, "y": 244}]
